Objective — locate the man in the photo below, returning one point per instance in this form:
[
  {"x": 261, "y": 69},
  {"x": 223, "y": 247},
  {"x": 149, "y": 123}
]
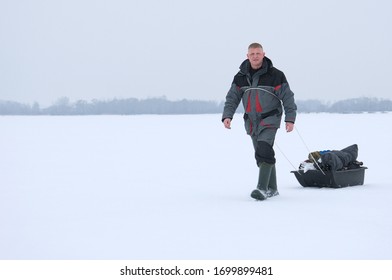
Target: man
[{"x": 263, "y": 90}]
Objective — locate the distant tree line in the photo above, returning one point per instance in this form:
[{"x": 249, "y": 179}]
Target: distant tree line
[
  {"x": 133, "y": 106},
  {"x": 355, "y": 105}
]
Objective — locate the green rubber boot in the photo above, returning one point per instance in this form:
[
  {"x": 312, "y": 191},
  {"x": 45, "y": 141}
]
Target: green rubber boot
[
  {"x": 272, "y": 186},
  {"x": 265, "y": 170}
]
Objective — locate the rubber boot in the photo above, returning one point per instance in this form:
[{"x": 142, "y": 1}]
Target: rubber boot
[
  {"x": 272, "y": 186},
  {"x": 264, "y": 177}
]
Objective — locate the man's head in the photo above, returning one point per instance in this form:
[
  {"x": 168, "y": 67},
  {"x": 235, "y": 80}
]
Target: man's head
[{"x": 255, "y": 55}]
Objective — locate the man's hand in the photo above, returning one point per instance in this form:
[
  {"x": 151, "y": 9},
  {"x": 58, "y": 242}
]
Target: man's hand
[
  {"x": 227, "y": 123},
  {"x": 289, "y": 126}
]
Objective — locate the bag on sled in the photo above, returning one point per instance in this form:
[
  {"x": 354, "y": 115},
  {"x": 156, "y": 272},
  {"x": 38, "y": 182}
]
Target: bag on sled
[{"x": 331, "y": 168}]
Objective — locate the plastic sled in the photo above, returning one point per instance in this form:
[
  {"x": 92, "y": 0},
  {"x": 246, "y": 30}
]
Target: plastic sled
[{"x": 331, "y": 179}]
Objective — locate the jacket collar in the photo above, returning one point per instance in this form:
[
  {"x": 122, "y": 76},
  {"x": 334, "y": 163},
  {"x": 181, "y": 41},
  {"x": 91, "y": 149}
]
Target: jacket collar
[{"x": 245, "y": 65}]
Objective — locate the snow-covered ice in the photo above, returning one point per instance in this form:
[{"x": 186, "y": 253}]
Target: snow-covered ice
[{"x": 177, "y": 187}]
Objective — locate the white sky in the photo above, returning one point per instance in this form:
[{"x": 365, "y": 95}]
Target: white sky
[{"x": 86, "y": 49}]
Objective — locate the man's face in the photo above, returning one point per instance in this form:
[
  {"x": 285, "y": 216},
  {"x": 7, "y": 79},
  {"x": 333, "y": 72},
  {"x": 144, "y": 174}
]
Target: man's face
[{"x": 255, "y": 56}]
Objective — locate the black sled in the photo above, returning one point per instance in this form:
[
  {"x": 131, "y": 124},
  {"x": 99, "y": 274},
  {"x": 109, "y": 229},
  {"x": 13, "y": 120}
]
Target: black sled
[
  {"x": 331, "y": 179},
  {"x": 332, "y": 169}
]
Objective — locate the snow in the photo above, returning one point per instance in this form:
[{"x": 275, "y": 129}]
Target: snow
[{"x": 177, "y": 187}]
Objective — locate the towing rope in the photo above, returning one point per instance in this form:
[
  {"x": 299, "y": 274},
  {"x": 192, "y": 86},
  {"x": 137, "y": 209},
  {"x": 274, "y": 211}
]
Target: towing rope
[
  {"x": 306, "y": 146},
  {"x": 314, "y": 160}
]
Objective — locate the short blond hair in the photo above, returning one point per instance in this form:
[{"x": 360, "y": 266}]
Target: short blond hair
[{"x": 255, "y": 45}]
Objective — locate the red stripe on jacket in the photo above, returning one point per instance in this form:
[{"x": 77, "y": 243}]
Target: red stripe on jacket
[{"x": 258, "y": 105}]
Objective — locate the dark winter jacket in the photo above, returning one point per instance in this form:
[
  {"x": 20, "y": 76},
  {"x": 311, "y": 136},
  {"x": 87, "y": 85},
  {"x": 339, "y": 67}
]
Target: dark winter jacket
[
  {"x": 262, "y": 95},
  {"x": 337, "y": 160}
]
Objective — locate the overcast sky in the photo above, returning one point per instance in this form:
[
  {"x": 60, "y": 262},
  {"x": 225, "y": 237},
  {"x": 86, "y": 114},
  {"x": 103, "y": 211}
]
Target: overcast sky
[{"x": 105, "y": 49}]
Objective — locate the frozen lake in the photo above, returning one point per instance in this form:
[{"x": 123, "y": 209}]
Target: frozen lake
[{"x": 177, "y": 187}]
